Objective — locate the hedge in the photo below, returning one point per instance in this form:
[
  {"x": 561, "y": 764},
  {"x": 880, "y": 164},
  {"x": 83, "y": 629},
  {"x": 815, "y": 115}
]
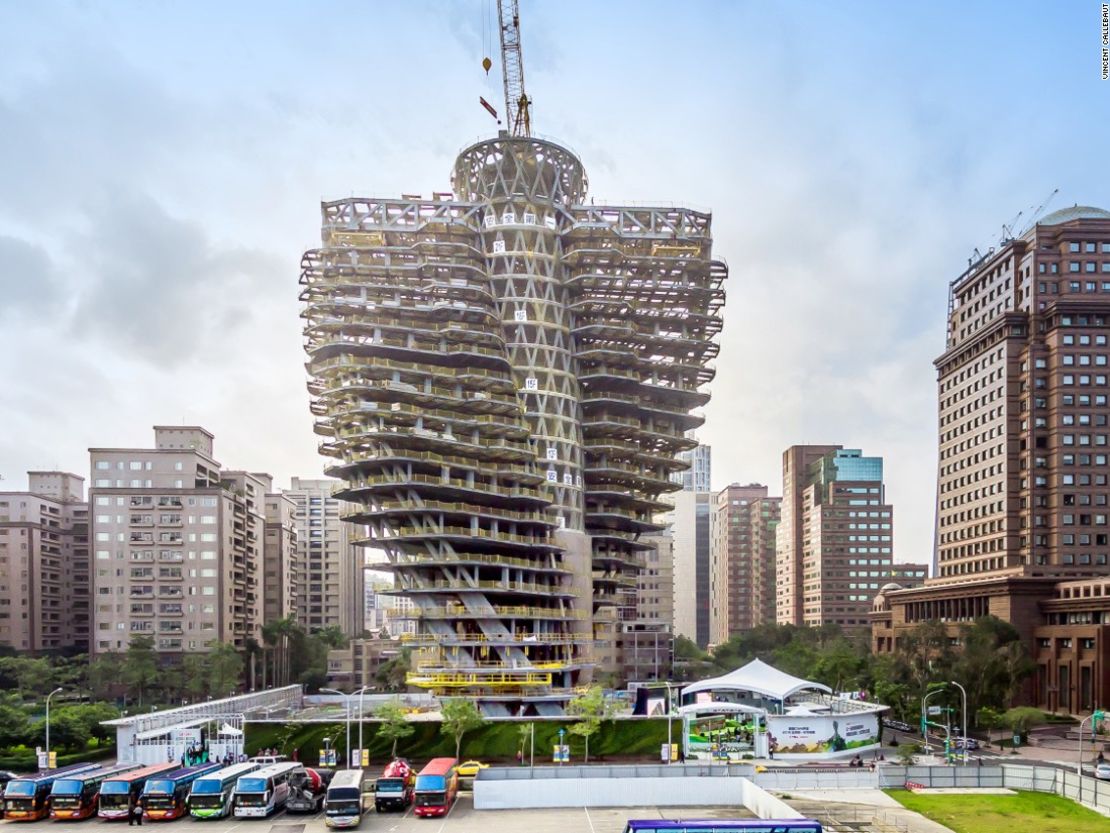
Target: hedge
[
  {"x": 28, "y": 762},
  {"x": 491, "y": 742}
]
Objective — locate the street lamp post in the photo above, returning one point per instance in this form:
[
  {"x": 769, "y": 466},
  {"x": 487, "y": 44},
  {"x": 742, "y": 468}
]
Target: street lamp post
[
  {"x": 347, "y": 706},
  {"x": 360, "y": 692},
  {"x": 48, "y": 696},
  {"x": 1094, "y": 717},
  {"x": 963, "y": 692},
  {"x": 670, "y": 703},
  {"x": 924, "y": 723}
]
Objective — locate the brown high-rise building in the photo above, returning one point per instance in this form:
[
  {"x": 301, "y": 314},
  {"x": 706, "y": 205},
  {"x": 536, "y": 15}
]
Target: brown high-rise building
[
  {"x": 1023, "y": 406},
  {"x": 796, "y": 461},
  {"x": 839, "y": 550},
  {"x": 764, "y": 515},
  {"x": 44, "y": 564},
  {"x": 733, "y": 594},
  {"x": 1022, "y": 493}
]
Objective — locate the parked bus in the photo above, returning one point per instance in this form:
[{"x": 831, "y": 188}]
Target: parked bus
[
  {"x": 75, "y": 797},
  {"x": 28, "y": 799},
  {"x": 436, "y": 787},
  {"x": 120, "y": 793},
  {"x": 343, "y": 805},
  {"x": 210, "y": 797},
  {"x": 167, "y": 797},
  {"x": 722, "y": 826},
  {"x": 393, "y": 790},
  {"x": 265, "y": 791}
]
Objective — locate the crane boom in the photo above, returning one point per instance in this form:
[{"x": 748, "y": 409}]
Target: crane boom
[{"x": 512, "y": 67}]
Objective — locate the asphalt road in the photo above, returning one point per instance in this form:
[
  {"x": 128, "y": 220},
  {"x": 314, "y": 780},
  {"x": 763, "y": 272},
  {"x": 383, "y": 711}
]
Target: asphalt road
[{"x": 463, "y": 818}]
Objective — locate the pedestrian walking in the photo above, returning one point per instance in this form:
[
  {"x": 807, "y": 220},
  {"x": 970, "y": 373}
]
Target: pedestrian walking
[{"x": 136, "y": 815}]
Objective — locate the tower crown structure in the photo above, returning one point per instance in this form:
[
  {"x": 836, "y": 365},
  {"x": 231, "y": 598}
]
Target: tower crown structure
[{"x": 503, "y": 377}]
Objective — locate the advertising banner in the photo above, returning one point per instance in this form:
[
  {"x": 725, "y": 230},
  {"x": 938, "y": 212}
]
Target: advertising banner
[{"x": 822, "y": 734}]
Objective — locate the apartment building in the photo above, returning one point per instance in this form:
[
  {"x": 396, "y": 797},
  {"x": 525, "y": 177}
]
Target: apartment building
[
  {"x": 790, "y": 533},
  {"x": 281, "y": 579},
  {"x": 732, "y": 591},
  {"x": 763, "y": 521},
  {"x": 330, "y": 566},
  {"x": 698, "y": 474},
  {"x": 177, "y": 545},
  {"x": 44, "y": 564}
]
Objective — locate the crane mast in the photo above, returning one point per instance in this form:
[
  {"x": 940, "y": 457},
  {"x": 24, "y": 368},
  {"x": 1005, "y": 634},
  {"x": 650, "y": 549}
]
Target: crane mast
[{"x": 517, "y": 103}]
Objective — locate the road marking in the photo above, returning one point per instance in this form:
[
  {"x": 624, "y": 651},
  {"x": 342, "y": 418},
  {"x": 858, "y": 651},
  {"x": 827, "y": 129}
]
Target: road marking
[
  {"x": 591, "y": 821},
  {"x": 450, "y": 810}
]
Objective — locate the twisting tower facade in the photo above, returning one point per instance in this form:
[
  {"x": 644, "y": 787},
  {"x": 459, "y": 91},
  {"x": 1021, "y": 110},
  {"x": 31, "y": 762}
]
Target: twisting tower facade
[{"x": 503, "y": 376}]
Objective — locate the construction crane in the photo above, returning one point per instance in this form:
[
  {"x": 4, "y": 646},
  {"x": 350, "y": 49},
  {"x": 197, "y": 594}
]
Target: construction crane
[{"x": 517, "y": 103}]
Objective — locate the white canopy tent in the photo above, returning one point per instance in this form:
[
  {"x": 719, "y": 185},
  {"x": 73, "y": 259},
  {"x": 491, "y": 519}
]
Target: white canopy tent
[{"x": 759, "y": 678}]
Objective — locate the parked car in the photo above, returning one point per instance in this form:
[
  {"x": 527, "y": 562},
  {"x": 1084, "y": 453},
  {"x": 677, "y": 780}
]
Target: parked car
[
  {"x": 900, "y": 726},
  {"x": 1102, "y": 772},
  {"x": 469, "y": 769}
]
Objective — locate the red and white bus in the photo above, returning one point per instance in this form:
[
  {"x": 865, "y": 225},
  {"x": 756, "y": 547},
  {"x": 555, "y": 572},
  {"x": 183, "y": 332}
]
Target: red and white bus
[
  {"x": 28, "y": 799},
  {"x": 120, "y": 793},
  {"x": 436, "y": 787},
  {"x": 76, "y": 797}
]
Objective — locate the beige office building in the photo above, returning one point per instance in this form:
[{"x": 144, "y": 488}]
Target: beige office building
[
  {"x": 44, "y": 564},
  {"x": 330, "y": 567},
  {"x": 177, "y": 545}
]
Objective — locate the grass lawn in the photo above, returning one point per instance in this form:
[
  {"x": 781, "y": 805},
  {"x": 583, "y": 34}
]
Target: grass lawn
[{"x": 1025, "y": 812}]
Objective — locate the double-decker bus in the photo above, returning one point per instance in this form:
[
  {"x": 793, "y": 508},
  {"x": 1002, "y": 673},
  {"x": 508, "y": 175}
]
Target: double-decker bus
[
  {"x": 436, "y": 787},
  {"x": 262, "y": 792},
  {"x": 210, "y": 797},
  {"x": 722, "y": 826},
  {"x": 28, "y": 799},
  {"x": 343, "y": 805},
  {"x": 75, "y": 797},
  {"x": 394, "y": 788},
  {"x": 166, "y": 797},
  {"x": 120, "y": 793}
]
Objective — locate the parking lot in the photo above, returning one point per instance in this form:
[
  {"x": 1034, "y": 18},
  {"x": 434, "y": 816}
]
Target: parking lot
[{"x": 463, "y": 818}]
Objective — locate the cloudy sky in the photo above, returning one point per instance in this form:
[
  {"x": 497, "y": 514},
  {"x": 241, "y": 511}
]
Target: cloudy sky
[{"x": 163, "y": 162}]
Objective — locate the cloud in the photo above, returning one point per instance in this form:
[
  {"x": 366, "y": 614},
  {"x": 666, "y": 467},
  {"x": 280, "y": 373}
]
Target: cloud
[
  {"x": 28, "y": 281},
  {"x": 156, "y": 286}
]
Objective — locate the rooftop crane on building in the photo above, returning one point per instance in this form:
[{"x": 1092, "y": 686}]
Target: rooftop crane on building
[{"x": 517, "y": 104}]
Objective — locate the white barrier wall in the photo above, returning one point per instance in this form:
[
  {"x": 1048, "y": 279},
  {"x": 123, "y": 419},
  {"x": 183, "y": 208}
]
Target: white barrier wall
[{"x": 628, "y": 792}]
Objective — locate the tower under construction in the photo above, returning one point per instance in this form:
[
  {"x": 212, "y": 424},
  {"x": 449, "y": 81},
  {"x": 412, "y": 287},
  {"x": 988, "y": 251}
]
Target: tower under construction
[{"x": 504, "y": 375}]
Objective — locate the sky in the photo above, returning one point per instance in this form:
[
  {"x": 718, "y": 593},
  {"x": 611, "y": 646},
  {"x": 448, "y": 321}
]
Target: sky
[{"x": 162, "y": 165}]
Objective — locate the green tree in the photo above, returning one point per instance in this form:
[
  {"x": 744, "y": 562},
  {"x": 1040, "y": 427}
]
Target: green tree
[
  {"x": 15, "y": 726},
  {"x": 395, "y": 724},
  {"x": 140, "y": 665},
  {"x": 1022, "y": 719},
  {"x": 224, "y": 665},
  {"x": 459, "y": 716},
  {"x": 990, "y": 719},
  {"x": 392, "y": 675},
  {"x": 525, "y": 731},
  {"x": 908, "y": 752},
  {"x": 194, "y": 669},
  {"x": 33, "y": 677},
  {"x": 590, "y": 708},
  {"x": 332, "y": 636},
  {"x": 104, "y": 674}
]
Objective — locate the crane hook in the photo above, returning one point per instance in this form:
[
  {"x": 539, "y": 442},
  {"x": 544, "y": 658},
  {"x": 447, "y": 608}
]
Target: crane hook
[{"x": 486, "y": 64}]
